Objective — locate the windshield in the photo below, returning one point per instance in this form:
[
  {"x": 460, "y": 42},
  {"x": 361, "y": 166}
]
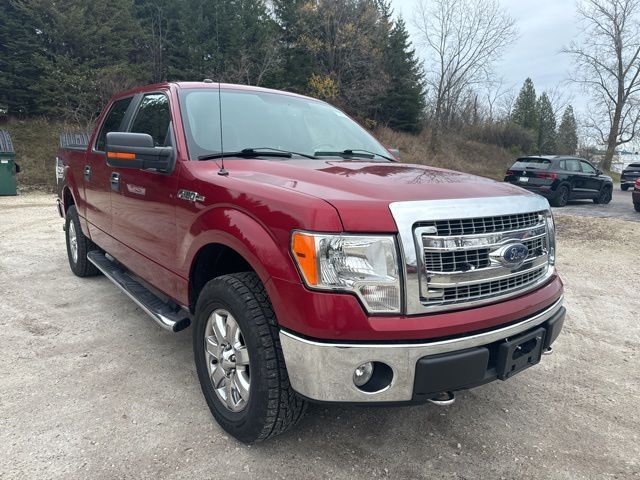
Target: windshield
[
  {"x": 537, "y": 163},
  {"x": 253, "y": 119}
]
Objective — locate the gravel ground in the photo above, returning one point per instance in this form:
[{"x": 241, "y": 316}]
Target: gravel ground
[
  {"x": 621, "y": 206},
  {"x": 91, "y": 388}
]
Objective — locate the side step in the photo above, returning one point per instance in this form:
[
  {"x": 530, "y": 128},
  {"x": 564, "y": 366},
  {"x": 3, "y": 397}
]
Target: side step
[{"x": 168, "y": 317}]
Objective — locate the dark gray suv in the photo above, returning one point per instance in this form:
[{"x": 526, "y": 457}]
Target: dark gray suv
[{"x": 561, "y": 179}]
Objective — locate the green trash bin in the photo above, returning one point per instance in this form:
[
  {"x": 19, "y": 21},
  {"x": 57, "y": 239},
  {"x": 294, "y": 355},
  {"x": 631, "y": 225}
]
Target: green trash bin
[{"x": 8, "y": 168}]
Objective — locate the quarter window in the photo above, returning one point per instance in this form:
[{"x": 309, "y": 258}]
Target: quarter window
[
  {"x": 154, "y": 118},
  {"x": 113, "y": 121}
]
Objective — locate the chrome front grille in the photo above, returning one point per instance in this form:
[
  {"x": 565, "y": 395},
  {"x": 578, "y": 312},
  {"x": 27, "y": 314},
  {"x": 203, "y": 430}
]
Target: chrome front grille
[
  {"x": 461, "y": 268},
  {"x": 456, "y": 252},
  {"x": 471, "y": 226},
  {"x": 466, "y": 293},
  {"x": 465, "y": 260}
]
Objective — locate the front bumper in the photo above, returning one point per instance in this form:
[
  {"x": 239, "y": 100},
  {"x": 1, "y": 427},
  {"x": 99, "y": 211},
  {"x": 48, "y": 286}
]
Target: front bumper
[{"x": 324, "y": 371}]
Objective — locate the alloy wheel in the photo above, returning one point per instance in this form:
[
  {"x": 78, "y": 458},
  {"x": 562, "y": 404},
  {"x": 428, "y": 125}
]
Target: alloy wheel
[
  {"x": 73, "y": 242},
  {"x": 227, "y": 360}
]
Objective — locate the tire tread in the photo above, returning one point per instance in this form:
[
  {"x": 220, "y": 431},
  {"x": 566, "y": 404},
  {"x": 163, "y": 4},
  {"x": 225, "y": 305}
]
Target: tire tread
[{"x": 285, "y": 407}]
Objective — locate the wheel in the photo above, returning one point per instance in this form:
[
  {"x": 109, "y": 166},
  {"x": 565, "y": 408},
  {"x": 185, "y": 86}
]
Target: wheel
[
  {"x": 637, "y": 207},
  {"x": 604, "y": 197},
  {"x": 561, "y": 198},
  {"x": 78, "y": 246},
  {"x": 624, "y": 188},
  {"x": 239, "y": 359}
]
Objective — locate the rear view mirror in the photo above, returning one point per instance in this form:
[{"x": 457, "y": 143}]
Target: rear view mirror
[
  {"x": 395, "y": 152},
  {"x": 137, "y": 150}
]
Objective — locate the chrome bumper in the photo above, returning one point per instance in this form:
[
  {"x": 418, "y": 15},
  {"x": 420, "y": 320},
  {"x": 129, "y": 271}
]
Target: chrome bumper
[{"x": 324, "y": 371}]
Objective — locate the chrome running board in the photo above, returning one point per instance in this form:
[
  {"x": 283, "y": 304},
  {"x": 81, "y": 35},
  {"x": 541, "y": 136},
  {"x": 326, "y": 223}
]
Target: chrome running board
[{"x": 164, "y": 314}]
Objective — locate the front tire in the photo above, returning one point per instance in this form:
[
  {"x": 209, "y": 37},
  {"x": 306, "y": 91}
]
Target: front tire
[
  {"x": 637, "y": 207},
  {"x": 239, "y": 359},
  {"x": 604, "y": 197},
  {"x": 78, "y": 246},
  {"x": 624, "y": 188}
]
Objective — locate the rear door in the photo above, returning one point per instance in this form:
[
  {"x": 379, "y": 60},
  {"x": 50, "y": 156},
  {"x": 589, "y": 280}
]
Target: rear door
[
  {"x": 143, "y": 201},
  {"x": 575, "y": 177},
  {"x": 96, "y": 173}
]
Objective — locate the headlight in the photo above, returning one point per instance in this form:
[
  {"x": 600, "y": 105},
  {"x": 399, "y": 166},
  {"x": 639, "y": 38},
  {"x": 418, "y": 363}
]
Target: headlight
[
  {"x": 364, "y": 265},
  {"x": 551, "y": 237}
]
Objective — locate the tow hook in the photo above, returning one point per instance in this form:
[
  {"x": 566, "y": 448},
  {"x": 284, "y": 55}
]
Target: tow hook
[
  {"x": 547, "y": 351},
  {"x": 443, "y": 399}
]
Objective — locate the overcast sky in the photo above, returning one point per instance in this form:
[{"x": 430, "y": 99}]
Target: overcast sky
[{"x": 545, "y": 26}]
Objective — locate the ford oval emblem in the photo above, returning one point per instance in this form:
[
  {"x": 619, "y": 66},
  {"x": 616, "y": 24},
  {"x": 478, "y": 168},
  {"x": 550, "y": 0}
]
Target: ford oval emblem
[{"x": 512, "y": 255}]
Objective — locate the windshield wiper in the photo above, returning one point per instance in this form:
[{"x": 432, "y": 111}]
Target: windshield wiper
[
  {"x": 353, "y": 153},
  {"x": 255, "y": 152}
]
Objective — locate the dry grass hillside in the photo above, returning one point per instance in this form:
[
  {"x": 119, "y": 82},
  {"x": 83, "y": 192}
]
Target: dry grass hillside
[
  {"x": 456, "y": 153},
  {"x": 36, "y": 144}
]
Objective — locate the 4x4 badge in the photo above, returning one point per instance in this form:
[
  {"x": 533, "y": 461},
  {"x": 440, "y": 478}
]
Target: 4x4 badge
[{"x": 190, "y": 196}]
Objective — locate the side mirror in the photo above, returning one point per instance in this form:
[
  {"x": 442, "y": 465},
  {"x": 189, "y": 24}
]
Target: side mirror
[
  {"x": 599, "y": 172},
  {"x": 137, "y": 150},
  {"x": 395, "y": 152}
]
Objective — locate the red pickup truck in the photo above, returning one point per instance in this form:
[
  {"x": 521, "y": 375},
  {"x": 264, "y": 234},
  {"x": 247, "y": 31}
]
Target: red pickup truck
[{"x": 313, "y": 265}]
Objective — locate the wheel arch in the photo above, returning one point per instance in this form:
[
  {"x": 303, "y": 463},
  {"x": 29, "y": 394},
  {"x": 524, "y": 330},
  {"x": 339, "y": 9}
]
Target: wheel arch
[
  {"x": 241, "y": 243},
  {"x": 211, "y": 261},
  {"x": 67, "y": 199}
]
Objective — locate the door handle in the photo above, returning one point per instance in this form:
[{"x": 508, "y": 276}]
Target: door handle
[
  {"x": 115, "y": 181},
  {"x": 87, "y": 172}
]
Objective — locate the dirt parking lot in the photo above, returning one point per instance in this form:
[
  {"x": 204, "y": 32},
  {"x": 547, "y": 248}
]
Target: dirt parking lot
[{"x": 91, "y": 388}]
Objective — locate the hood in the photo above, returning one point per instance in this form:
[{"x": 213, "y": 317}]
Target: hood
[{"x": 361, "y": 190}]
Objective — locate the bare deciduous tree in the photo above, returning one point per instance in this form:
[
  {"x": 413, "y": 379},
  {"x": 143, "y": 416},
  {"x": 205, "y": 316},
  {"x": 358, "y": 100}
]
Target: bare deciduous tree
[
  {"x": 607, "y": 65},
  {"x": 499, "y": 99},
  {"x": 463, "y": 38}
]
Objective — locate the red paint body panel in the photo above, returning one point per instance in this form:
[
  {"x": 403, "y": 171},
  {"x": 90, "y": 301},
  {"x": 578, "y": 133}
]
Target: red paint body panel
[
  {"x": 253, "y": 211},
  {"x": 341, "y": 317}
]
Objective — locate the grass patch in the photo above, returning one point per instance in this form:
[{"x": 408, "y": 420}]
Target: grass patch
[
  {"x": 456, "y": 153},
  {"x": 36, "y": 144}
]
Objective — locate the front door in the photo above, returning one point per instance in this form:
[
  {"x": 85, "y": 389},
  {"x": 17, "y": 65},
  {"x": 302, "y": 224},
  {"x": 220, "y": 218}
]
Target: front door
[
  {"x": 143, "y": 202},
  {"x": 97, "y": 175},
  {"x": 592, "y": 181}
]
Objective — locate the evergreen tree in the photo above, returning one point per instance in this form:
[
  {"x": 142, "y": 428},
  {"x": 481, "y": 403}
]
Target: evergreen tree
[
  {"x": 298, "y": 63},
  {"x": 546, "y": 125},
  {"x": 19, "y": 42},
  {"x": 567, "y": 139},
  {"x": 403, "y": 103},
  {"x": 525, "y": 112}
]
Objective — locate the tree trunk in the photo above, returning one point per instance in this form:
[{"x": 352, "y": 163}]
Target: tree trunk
[{"x": 612, "y": 139}]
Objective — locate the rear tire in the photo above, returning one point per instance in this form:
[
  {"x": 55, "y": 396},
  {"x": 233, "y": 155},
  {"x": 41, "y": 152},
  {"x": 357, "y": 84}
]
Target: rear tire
[
  {"x": 263, "y": 403},
  {"x": 561, "y": 198},
  {"x": 624, "y": 188},
  {"x": 604, "y": 197},
  {"x": 78, "y": 246},
  {"x": 637, "y": 207}
]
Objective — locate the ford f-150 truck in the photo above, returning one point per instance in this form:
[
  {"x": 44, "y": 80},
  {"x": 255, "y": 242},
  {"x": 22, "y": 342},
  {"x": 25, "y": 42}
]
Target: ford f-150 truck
[{"x": 311, "y": 263}]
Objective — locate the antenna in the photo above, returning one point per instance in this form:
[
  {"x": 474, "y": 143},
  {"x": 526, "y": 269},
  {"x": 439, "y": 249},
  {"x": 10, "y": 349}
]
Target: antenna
[{"x": 222, "y": 172}]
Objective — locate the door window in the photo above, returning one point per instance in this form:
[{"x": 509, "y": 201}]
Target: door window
[
  {"x": 573, "y": 165},
  {"x": 588, "y": 168},
  {"x": 153, "y": 117},
  {"x": 113, "y": 121}
]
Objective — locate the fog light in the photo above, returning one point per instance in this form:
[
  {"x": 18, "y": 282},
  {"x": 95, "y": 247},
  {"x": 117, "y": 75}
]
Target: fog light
[{"x": 363, "y": 374}]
